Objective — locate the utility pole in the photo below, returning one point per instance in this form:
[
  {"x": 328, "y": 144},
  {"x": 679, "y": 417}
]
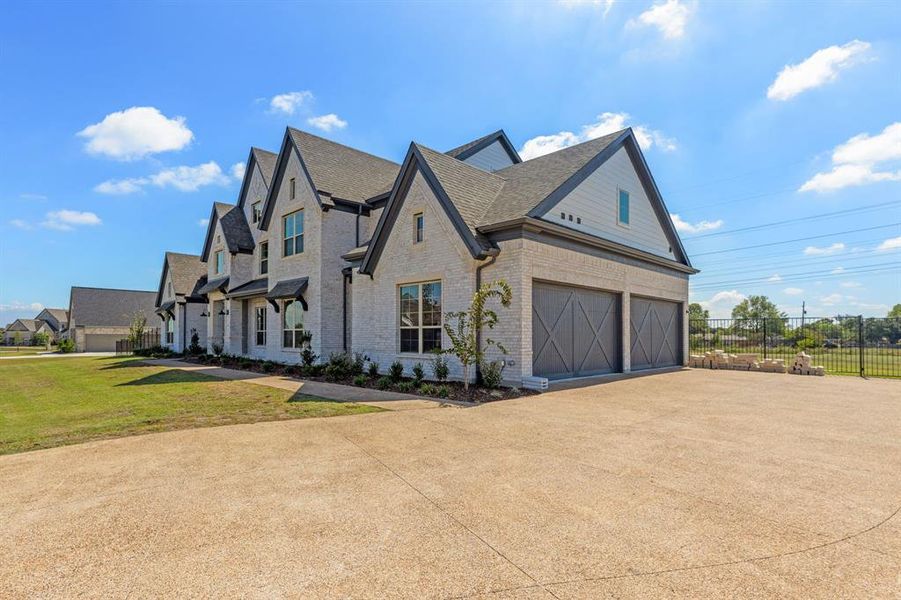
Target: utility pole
[{"x": 803, "y": 312}]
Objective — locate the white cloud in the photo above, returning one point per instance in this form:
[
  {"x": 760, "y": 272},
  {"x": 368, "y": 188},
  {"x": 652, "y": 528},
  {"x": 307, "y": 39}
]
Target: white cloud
[
  {"x": 820, "y": 68},
  {"x": 237, "y": 170},
  {"x": 851, "y": 284},
  {"x": 203, "y": 222},
  {"x": 855, "y": 161},
  {"x": 66, "y": 220},
  {"x": 825, "y": 250},
  {"x": 607, "y": 4},
  {"x": 607, "y": 122},
  {"x": 699, "y": 227},
  {"x": 289, "y": 102},
  {"x": 21, "y": 224},
  {"x": 775, "y": 278},
  {"x": 793, "y": 291},
  {"x": 136, "y": 132},
  {"x": 837, "y": 270},
  {"x": 890, "y": 244},
  {"x": 831, "y": 299},
  {"x": 32, "y": 196},
  {"x": 721, "y": 303},
  {"x": 327, "y": 122},
  {"x": 669, "y": 18},
  {"x": 183, "y": 178},
  {"x": 17, "y": 305}
]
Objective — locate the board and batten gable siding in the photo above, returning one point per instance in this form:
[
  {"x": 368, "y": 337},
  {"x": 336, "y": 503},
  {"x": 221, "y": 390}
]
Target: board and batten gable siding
[
  {"x": 491, "y": 158},
  {"x": 305, "y": 264},
  {"x": 256, "y": 192},
  {"x": 596, "y": 200},
  {"x": 442, "y": 256}
]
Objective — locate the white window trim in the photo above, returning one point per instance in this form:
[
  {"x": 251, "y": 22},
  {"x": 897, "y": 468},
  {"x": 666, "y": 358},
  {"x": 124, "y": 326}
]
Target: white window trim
[
  {"x": 302, "y": 234},
  {"x": 256, "y": 326},
  {"x": 419, "y": 327},
  {"x": 416, "y": 217},
  {"x": 283, "y": 329},
  {"x": 616, "y": 204},
  {"x": 254, "y": 218},
  {"x": 260, "y": 261},
  {"x": 216, "y": 256}
]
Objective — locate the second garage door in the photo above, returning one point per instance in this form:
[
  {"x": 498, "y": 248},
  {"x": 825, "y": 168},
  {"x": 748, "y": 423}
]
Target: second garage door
[
  {"x": 575, "y": 331},
  {"x": 655, "y": 328}
]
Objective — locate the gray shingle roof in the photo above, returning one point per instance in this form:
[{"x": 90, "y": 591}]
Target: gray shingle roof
[
  {"x": 103, "y": 307},
  {"x": 238, "y": 237},
  {"x": 341, "y": 171},
  {"x": 60, "y": 314},
  {"x": 266, "y": 160},
  {"x": 471, "y": 190},
  {"x": 528, "y": 183},
  {"x": 31, "y": 325},
  {"x": 184, "y": 270}
]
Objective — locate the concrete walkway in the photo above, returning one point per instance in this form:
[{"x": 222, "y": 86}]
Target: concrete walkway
[{"x": 331, "y": 391}]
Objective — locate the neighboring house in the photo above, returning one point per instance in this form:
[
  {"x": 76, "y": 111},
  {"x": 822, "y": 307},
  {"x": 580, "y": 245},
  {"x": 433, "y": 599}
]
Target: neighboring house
[
  {"x": 56, "y": 318},
  {"x": 21, "y": 331},
  {"x": 179, "y": 306},
  {"x": 99, "y": 317},
  {"x": 370, "y": 256}
]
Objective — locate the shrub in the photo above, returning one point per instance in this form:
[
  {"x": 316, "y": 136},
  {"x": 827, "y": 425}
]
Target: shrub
[
  {"x": 373, "y": 369},
  {"x": 268, "y": 366},
  {"x": 340, "y": 366},
  {"x": 384, "y": 383},
  {"x": 360, "y": 380},
  {"x": 428, "y": 389},
  {"x": 217, "y": 348},
  {"x": 440, "y": 368},
  {"x": 443, "y": 391},
  {"x": 405, "y": 387},
  {"x": 492, "y": 373},
  {"x": 314, "y": 370},
  {"x": 396, "y": 371},
  {"x": 358, "y": 363},
  {"x": 293, "y": 370},
  {"x": 195, "y": 348},
  {"x": 308, "y": 357},
  {"x": 66, "y": 346},
  {"x": 418, "y": 374},
  {"x": 40, "y": 339}
]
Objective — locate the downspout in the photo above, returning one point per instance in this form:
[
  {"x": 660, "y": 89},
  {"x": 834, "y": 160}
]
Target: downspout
[
  {"x": 184, "y": 326},
  {"x": 345, "y": 276},
  {"x": 492, "y": 258}
]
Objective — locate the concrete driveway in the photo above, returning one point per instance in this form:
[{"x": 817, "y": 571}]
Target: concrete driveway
[{"x": 687, "y": 484}]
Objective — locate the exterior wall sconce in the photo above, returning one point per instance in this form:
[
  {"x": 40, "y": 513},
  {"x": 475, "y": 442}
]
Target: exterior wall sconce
[{"x": 223, "y": 312}]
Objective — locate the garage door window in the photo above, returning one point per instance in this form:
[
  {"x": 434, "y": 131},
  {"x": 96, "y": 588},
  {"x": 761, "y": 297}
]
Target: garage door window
[{"x": 420, "y": 317}]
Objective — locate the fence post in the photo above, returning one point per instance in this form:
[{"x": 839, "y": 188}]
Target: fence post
[
  {"x": 860, "y": 342},
  {"x": 764, "y": 338}
]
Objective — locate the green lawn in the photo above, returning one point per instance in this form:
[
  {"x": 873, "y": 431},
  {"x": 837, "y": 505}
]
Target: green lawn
[
  {"x": 50, "y": 402},
  {"x": 23, "y": 350}
]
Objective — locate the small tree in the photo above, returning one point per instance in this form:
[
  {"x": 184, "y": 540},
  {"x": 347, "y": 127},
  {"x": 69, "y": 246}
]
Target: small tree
[
  {"x": 464, "y": 337},
  {"x": 136, "y": 329},
  {"x": 40, "y": 339},
  {"x": 17, "y": 338},
  {"x": 194, "y": 347},
  {"x": 697, "y": 318}
]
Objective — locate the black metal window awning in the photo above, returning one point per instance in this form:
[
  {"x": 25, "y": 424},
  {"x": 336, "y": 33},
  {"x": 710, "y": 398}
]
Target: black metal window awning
[
  {"x": 289, "y": 289},
  {"x": 220, "y": 284},
  {"x": 255, "y": 287}
]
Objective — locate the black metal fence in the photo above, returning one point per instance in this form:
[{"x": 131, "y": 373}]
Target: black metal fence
[
  {"x": 846, "y": 345},
  {"x": 150, "y": 339}
]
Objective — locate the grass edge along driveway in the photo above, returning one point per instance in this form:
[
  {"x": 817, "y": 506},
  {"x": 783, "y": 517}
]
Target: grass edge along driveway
[{"x": 56, "y": 402}]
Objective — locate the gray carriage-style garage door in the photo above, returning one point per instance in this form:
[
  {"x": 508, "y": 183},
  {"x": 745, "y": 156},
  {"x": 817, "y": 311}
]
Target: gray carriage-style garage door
[
  {"x": 575, "y": 331},
  {"x": 656, "y": 333}
]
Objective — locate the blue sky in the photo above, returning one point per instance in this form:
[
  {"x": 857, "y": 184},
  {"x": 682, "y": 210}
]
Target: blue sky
[{"x": 121, "y": 124}]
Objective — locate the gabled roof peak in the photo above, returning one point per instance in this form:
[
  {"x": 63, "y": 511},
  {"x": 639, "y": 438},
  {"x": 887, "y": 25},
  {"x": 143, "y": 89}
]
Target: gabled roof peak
[{"x": 475, "y": 146}]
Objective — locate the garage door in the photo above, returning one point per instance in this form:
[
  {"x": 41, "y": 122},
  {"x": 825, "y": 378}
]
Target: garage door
[
  {"x": 575, "y": 331},
  {"x": 656, "y": 327},
  {"x": 101, "y": 342}
]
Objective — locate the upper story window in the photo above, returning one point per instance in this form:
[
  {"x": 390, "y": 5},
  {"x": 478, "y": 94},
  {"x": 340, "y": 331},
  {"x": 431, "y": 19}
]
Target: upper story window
[
  {"x": 418, "y": 228},
  {"x": 420, "y": 317},
  {"x": 260, "y": 323},
  {"x": 292, "y": 326},
  {"x": 622, "y": 211},
  {"x": 264, "y": 258},
  {"x": 170, "y": 330},
  {"x": 292, "y": 187},
  {"x": 256, "y": 212},
  {"x": 169, "y": 288},
  {"x": 220, "y": 262},
  {"x": 292, "y": 227}
]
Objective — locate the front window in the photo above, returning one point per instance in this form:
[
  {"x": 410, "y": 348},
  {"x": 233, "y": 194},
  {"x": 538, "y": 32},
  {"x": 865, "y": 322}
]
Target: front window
[
  {"x": 292, "y": 227},
  {"x": 418, "y": 228},
  {"x": 260, "y": 321},
  {"x": 170, "y": 330},
  {"x": 264, "y": 258},
  {"x": 220, "y": 262},
  {"x": 420, "y": 317},
  {"x": 292, "y": 324},
  {"x": 623, "y": 208},
  {"x": 256, "y": 211}
]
